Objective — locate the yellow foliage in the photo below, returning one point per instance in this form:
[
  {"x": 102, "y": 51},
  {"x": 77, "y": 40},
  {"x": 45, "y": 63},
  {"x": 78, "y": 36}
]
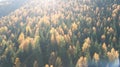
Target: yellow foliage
[
  {"x": 82, "y": 62},
  {"x": 114, "y": 39},
  {"x": 60, "y": 30},
  {"x": 58, "y": 38},
  {"x": 86, "y": 44},
  {"x": 46, "y": 65},
  {"x": 94, "y": 29},
  {"x": 12, "y": 36},
  {"x": 103, "y": 37},
  {"x": 104, "y": 47},
  {"x": 3, "y": 29},
  {"x": 70, "y": 33},
  {"x": 96, "y": 57},
  {"x": 114, "y": 6},
  {"x": 87, "y": 40},
  {"x": 64, "y": 26},
  {"x": 24, "y": 44},
  {"x": 115, "y": 11},
  {"x": 45, "y": 19},
  {"x": 74, "y": 26},
  {"x": 114, "y": 15},
  {"x": 67, "y": 38},
  {"x": 110, "y": 30},
  {"x": 51, "y": 65},
  {"x": 52, "y": 30},
  {"x": 109, "y": 19},
  {"x": 28, "y": 29},
  {"x": 54, "y": 18},
  {"x": 17, "y": 62},
  {"x": 98, "y": 24},
  {"x": 21, "y": 37},
  {"x": 113, "y": 55},
  {"x": 36, "y": 39}
]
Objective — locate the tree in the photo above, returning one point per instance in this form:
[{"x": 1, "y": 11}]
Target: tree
[
  {"x": 17, "y": 62},
  {"x": 82, "y": 62},
  {"x": 21, "y": 37}
]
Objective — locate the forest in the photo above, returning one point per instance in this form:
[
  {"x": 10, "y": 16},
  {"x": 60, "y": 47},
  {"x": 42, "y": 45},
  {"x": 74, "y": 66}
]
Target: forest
[{"x": 61, "y": 33}]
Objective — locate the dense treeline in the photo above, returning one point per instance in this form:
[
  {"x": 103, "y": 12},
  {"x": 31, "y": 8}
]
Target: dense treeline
[{"x": 61, "y": 33}]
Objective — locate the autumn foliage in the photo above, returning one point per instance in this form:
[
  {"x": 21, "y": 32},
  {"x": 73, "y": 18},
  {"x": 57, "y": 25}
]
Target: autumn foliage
[{"x": 61, "y": 33}]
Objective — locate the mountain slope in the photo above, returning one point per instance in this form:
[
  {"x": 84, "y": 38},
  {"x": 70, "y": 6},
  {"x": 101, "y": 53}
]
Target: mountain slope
[{"x": 62, "y": 33}]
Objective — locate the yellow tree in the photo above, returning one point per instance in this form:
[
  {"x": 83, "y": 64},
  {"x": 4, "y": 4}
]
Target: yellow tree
[
  {"x": 21, "y": 37},
  {"x": 96, "y": 57},
  {"x": 86, "y": 44},
  {"x": 113, "y": 55},
  {"x": 82, "y": 62},
  {"x": 17, "y": 62},
  {"x": 28, "y": 30}
]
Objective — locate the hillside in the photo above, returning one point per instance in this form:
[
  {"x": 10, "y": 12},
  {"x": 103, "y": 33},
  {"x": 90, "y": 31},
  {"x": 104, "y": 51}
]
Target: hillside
[
  {"x": 7, "y": 6},
  {"x": 61, "y": 33}
]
